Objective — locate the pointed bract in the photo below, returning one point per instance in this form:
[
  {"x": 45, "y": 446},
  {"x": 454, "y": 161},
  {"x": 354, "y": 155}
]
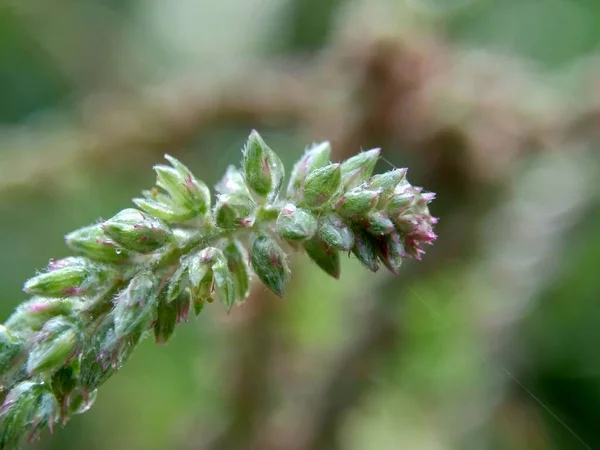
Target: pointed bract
[
  {"x": 326, "y": 257},
  {"x": 321, "y": 185},
  {"x": 263, "y": 170},
  {"x": 358, "y": 169},
  {"x": 314, "y": 157},
  {"x": 269, "y": 263},
  {"x": 296, "y": 224},
  {"x": 335, "y": 232},
  {"x": 137, "y": 231}
]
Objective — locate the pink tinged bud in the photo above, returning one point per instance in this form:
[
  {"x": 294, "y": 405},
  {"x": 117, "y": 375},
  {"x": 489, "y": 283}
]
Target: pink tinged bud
[
  {"x": 391, "y": 251},
  {"x": 137, "y": 231},
  {"x": 11, "y": 347},
  {"x": 165, "y": 211},
  {"x": 321, "y": 185},
  {"x": 135, "y": 305},
  {"x": 358, "y": 169},
  {"x": 28, "y": 408},
  {"x": 357, "y": 202},
  {"x": 75, "y": 276},
  {"x": 237, "y": 263},
  {"x": 263, "y": 170},
  {"x": 296, "y": 224},
  {"x": 92, "y": 241},
  {"x": 269, "y": 263},
  {"x": 314, "y": 157},
  {"x": 55, "y": 344},
  {"x": 38, "y": 310},
  {"x": 184, "y": 189},
  {"x": 378, "y": 223},
  {"x": 335, "y": 232},
  {"x": 365, "y": 250},
  {"x": 327, "y": 258},
  {"x": 224, "y": 281},
  {"x": 234, "y": 211},
  {"x": 387, "y": 182}
]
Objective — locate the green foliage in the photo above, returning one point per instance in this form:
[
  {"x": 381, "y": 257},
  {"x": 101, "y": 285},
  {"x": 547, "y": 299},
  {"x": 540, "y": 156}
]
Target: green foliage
[{"x": 141, "y": 271}]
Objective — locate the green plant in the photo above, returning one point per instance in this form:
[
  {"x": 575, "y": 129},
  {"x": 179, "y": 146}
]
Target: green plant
[{"x": 144, "y": 269}]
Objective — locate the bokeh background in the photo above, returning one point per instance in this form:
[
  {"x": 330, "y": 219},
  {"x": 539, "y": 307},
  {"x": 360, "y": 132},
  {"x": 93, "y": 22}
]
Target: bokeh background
[{"x": 489, "y": 343}]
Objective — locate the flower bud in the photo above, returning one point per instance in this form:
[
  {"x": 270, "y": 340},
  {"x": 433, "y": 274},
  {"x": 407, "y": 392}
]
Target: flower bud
[
  {"x": 10, "y": 348},
  {"x": 314, "y": 157},
  {"x": 166, "y": 319},
  {"x": 178, "y": 282},
  {"x": 223, "y": 281},
  {"x": 263, "y": 170},
  {"x": 92, "y": 241},
  {"x": 202, "y": 292},
  {"x": 321, "y": 184},
  {"x": 295, "y": 224},
  {"x": 28, "y": 408},
  {"x": 233, "y": 183},
  {"x": 234, "y": 211},
  {"x": 325, "y": 256},
  {"x": 137, "y": 231},
  {"x": 269, "y": 263},
  {"x": 164, "y": 211},
  {"x": 55, "y": 343},
  {"x": 183, "y": 187},
  {"x": 237, "y": 261},
  {"x": 387, "y": 181},
  {"x": 357, "y": 202},
  {"x": 378, "y": 224},
  {"x": 365, "y": 250},
  {"x": 34, "y": 313},
  {"x": 335, "y": 233},
  {"x": 74, "y": 276},
  {"x": 391, "y": 251},
  {"x": 135, "y": 305},
  {"x": 358, "y": 169},
  {"x": 401, "y": 200}
]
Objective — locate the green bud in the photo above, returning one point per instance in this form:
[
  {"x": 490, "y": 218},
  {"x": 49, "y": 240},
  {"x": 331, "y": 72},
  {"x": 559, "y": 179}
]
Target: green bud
[
  {"x": 34, "y": 313},
  {"x": 269, "y": 263},
  {"x": 179, "y": 281},
  {"x": 295, "y": 224},
  {"x": 391, "y": 251},
  {"x": 387, "y": 181},
  {"x": 314, "y": 157},
  {"x": 212, "y": 261},
  {"x": 104, "y": 353},
  {"x": 325, "y": 256},
  {"x": 321, "y": 184},
  {"x": 135, "y": 305},
  {"x": 183, "y": 187},
  {"x": 202, "y": 292},
  {"x": 137, "y": 231},
  {"x": 365, "y": 250},
  {"x": 56, "y": 342},
  {"x": 28, "y": 408},
  {"x": 92, "y": 241},
  {"x": 234, "y": 211},
  {"x": 400, "y": 201},
  {"x": 335, "y": 233},
  {"x": 223, "y": 281},
  {"x": 164, "y": 211},
  {"x": 71, "y": 276},
  {"x": 378, "y": 223},
  {"x": 263, "y": 170},
  {"x": 237, "y": 261},
  {"x": 10, "y": 348},
  {"x": 358, "y": 169},
  {"x": 357, "y": 202},
  {"x": 166, "y": 319},
  {"x": 233, "y": 183}
]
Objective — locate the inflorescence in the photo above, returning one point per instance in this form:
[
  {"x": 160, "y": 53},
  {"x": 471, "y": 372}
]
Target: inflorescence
[{"x": 145, "y": 269}]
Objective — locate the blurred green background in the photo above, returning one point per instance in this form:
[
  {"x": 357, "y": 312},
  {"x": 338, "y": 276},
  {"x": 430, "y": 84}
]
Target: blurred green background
[{"x": 488, "y": 343}]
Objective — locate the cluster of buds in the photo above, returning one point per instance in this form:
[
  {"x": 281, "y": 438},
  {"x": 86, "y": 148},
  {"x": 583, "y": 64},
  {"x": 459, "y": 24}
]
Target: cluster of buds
[{"x": 144, "y": 270}]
